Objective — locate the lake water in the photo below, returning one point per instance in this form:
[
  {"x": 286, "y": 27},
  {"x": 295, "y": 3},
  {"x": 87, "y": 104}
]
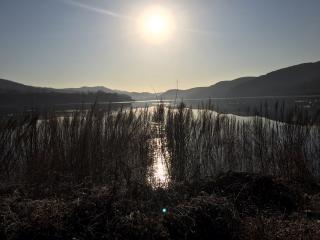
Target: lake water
[{"x": 158, "y": 171}]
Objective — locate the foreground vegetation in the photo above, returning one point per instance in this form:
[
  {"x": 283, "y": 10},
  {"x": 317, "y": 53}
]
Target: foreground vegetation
[
  {"x": 85, "y": 175},
  {"x": 231, "y": 206}
]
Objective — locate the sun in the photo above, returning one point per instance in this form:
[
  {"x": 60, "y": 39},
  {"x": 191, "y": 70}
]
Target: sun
[{"x": 156, "y": 24}]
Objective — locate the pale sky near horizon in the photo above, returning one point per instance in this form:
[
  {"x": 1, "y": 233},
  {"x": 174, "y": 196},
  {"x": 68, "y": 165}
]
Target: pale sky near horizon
[{"x": 73, "y": 43}]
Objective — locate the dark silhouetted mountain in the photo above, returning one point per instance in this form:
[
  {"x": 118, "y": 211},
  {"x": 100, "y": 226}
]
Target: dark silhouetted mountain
[
  {"x": 53, "y": 98},
  {"x": 303, "y": 79},
  {"x": 16, "y": 96},
  {"x": 133, "y": 95},
  {"x": 139, "y": 95},
  {"x": 220, "y": 89},
  {"x": 86, "y": 90},
  {"x": 10, "y": 86}
]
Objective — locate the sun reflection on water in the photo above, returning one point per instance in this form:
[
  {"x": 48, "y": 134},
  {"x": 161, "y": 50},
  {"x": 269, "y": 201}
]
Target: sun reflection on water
[{"x": 158, "y": 172}]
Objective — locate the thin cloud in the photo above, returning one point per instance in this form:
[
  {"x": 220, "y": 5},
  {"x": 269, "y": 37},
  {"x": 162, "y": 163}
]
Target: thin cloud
[
  {"x": 122, "y": 16},
  {"x": 97, "y": 10},
  {"x": 201, "y": 31}
]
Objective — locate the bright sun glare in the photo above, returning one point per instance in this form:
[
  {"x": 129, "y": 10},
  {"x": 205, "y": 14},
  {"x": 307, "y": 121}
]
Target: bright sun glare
[{"x": 156, "y": 24}]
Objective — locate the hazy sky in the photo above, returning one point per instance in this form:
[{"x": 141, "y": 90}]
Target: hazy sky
[{"x": 60, "y": 43}]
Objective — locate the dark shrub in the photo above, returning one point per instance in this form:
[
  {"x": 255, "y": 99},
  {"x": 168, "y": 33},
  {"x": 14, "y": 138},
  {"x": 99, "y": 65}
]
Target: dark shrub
[
  {"x": 202, "y": 218},
  {"x": 251, "y": 191}
]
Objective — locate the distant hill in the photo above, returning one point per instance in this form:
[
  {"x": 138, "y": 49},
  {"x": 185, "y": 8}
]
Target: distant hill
[
  {"x": 10, "y": 86},
  {"x": 302, "y": 79},
  {"x": 139, "y": 95},
  {"x": 133, "y": 95},
  {"x": 220, "y": 89},
  {"x": 86, "y": 90},
  {"x": 6, "y": 85},
  {"x": 53, "y": 98},
  {"x": 17, "y": 97}
]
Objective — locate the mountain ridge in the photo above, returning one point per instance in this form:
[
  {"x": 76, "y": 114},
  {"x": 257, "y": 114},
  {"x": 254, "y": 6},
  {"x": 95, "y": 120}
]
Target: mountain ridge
[
  {"x": 300, "y": 79},
  {"x": 12, "y": 86}
]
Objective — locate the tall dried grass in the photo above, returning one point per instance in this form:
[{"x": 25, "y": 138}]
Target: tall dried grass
[
  {"x": 203, "y": 143},
  {"x": 107, "y": 146},
  {"x": 95, "y": 146}
]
